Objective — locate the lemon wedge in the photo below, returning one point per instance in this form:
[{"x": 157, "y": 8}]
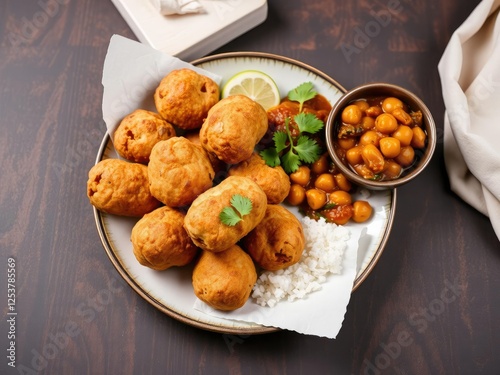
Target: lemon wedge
[{"x": 255, "y": 84}]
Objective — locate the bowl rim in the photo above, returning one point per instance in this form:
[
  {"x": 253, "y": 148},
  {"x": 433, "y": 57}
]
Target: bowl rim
[{"x": 381, "y": 88}]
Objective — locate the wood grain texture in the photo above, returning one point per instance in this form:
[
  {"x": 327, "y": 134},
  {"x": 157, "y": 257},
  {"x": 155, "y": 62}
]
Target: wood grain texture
[{"x": 430, "y": 306}]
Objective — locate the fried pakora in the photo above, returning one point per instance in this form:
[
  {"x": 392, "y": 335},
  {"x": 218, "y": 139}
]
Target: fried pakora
[
  {"x": 121, "y": 188},
  {"x": 233, "y": 127},
  {"x": 277, "y": 241},
  {"x": 273, "y": 180},
  {"x": 138, "y": 132},
  {"x": 224, "y": 280},
  {"x": 160, "y": 241},
  {"x": 184, "y": 97},
  {"x": 179, "y": 171},
  {"x": 203, "y": 223}
]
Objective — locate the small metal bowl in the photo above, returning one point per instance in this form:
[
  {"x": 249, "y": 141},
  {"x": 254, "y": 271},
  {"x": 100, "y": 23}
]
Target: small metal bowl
[{"x": 371, "y": 90}]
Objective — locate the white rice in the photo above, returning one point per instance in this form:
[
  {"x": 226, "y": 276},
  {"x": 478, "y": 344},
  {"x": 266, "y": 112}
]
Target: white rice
[{"x": 323, "y": 255}]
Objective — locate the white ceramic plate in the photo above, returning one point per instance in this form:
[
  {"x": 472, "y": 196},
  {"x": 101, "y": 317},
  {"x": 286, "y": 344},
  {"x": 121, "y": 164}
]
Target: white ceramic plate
[{"x": 171, "y": 291}]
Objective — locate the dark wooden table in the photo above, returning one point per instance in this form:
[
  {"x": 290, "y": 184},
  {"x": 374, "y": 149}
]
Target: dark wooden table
[{"x": 430, "y": 306}]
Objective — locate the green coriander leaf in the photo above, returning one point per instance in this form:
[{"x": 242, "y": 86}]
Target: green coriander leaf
[
  {"x": 280, "y": 138},
  {"x": 302, "y": 93},
  {"x": 307, "y": 149},
  {"x": 229, "y": 216},
  {"x": 271, "y": 156},
  {"x": 291, "y": 161},
  {"x": 308, "y": 122},
  {"x": 328, "y": 206},
  {"x": 242, "y": 204},
  {"x": 290, "y": 151}
]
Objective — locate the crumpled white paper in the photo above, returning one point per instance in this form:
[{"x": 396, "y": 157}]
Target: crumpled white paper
[
  {"x": 470, "y": 79},
  {"x": 169, "y": 7},
  {"x": 131, "y": 73}
]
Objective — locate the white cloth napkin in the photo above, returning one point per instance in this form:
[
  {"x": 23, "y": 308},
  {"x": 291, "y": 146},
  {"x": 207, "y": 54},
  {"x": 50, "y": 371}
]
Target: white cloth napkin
[
  {"x": 168, "y": 7},
  {"x": 470, "y": 79}
]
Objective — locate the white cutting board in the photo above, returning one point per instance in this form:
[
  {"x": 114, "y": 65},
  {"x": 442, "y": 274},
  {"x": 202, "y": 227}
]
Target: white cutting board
[{"x": 191, "y": 36}]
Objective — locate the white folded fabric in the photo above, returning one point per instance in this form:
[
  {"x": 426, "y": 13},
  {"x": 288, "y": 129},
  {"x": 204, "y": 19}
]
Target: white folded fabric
[
  {"x": 168, "y": 7},
  {"x": 470, "y": 79}
]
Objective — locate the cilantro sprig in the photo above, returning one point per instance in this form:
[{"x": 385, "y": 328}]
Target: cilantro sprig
[
  {"x": 240, "y": 206},
  {"x": 289, "y": 150},
  {"x": 302, "y": 94}
]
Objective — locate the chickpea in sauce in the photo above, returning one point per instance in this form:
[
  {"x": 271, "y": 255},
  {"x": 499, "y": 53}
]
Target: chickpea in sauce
[
  {"x": 321, "y": 190},
  {"x": 378, "y": 137}
]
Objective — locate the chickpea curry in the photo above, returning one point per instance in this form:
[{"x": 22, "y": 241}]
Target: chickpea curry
[{"x": 378, "y": 137}]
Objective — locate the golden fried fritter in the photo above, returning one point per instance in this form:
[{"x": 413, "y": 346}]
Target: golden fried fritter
[
  {"x": 273, "y": 180},
  {"x": 224, "y": 280},
  {"x": 138, "y": 132},
  {"x": 202, "y": 220},
  {"x": 233, "y": 127},
  {"x": 278, "y": 241},
  {"x": 179, "y": 171},
  {"x": 160, "y": 241},
  {"x": 184, "y": 97},
  {"x": 121, "y": 188}
]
